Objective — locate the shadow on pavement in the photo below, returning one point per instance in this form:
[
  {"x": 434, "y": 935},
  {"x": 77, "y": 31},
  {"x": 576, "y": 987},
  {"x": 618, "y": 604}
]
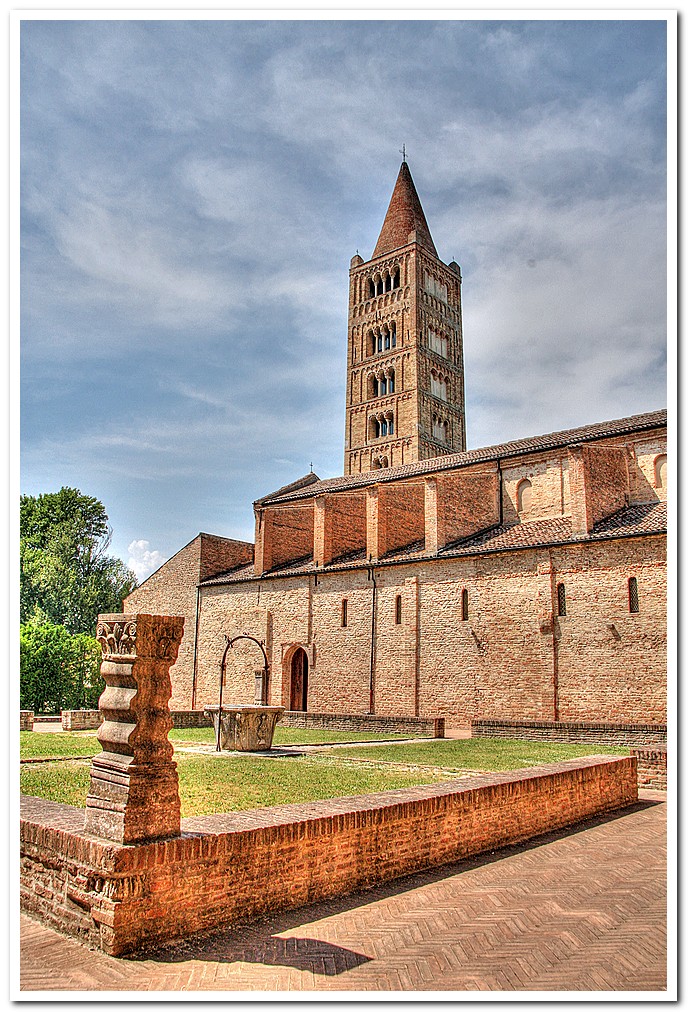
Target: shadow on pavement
[
  {"x": 257, "y": 945},
  {"x": 259, "y": 942}
]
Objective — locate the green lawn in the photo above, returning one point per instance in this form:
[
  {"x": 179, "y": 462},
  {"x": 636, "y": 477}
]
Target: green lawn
[
  {"x": 37, "y": 744},
  {"x": 231, "y": 782},
  {"x": 43, "y": 744},
  {"x": 492, "y": 754},
  {"x": 212, "y": 783},
  {"x": 288, "y": 736}
]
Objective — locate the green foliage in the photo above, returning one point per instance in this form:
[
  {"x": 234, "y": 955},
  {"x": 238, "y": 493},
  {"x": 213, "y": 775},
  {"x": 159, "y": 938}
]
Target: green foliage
[
  {"x": 58, "y": 670},
  {"x": 67, "y": 578}
]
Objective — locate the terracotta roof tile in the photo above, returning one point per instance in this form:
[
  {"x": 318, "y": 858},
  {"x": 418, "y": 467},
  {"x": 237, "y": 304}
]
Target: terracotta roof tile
[
  {"x": 635, "y": 521},
  {"x": 501, "y": 451},
  {"x": 404, "y": 215}
]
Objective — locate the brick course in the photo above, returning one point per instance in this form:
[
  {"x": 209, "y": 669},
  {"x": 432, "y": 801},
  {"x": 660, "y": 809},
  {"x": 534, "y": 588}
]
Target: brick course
[
  {"x": 550, "y": 730},
  {"x": 652, "y": 767},
  {"x": 231, "y": 868},
  {"x": 432, "y": 727}
]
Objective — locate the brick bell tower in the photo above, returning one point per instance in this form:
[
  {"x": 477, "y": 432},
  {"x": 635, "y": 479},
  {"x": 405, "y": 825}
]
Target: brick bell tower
[{"x": 404, "y": 385}]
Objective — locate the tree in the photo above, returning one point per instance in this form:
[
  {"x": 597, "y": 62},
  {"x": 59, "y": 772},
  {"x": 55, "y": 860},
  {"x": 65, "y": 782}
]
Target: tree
[
  {"x": 67, "y": 578},
  {"x": 58, "y": 670}
]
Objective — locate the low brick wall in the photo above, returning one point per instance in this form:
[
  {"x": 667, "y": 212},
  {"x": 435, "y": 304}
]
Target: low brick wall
[
  {"x": 559, "y": 730},
  {"x": 89, "y": 720},
  {"x": 230, "y": 868},
  {"x": 81, "y": 720},
  {"x": 26, "y": 720},
  {"x": 191, "y": 718},
  {"x": 652, "y": 767},
  {"x": 431, "y": 727}
]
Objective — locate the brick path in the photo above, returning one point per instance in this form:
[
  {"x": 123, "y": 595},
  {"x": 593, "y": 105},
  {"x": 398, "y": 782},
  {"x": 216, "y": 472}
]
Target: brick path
[{"x": 583, "y": 910}]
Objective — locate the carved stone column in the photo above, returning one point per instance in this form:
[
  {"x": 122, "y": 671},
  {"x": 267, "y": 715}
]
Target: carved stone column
[{"x": 134, "y": 792}]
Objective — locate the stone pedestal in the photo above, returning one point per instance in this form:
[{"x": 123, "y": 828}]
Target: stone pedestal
[
  {"x": 245, "y": 728},
  {"x": 134, "y": 791}
]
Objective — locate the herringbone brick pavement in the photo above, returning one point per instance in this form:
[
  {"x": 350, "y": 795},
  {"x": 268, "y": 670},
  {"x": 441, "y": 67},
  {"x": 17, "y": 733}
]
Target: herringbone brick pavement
[{"x": 578, "y": 910}]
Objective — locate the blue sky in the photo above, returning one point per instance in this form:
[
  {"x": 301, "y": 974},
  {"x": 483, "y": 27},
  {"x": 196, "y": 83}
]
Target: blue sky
[{"x": 193, "y": 192}]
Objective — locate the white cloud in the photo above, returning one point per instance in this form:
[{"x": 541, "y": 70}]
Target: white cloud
[{"x": 142, "y": 560}]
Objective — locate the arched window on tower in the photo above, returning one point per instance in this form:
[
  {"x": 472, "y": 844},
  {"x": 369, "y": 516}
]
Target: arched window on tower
[
  {"x": 393, "y": 333},
  {"x": 524, "y": 496},
  {"x": 390, "y": 424},
  {"x": 383, "y": 385},
  {"x": 390, "y": 382},
  {"x": 395, "y": 278}
]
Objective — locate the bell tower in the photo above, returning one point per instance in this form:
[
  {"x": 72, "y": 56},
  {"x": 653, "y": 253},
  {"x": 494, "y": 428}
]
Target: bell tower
[
  {"x": 405, "y": 398},
  {"x": 404, "y": 385}
]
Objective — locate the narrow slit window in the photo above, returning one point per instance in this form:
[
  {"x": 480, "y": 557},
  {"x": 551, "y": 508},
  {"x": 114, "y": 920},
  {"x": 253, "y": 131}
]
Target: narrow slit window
[
  {"x": 561, "y": 599},
  {"x": 345, "y": 613},
  {"x": 633, "y": 602},
  {"x": 464, "y": 605},
  {"x": 397, "y": 610}
]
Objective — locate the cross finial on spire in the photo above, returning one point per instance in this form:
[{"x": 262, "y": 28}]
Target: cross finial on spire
[{"x": 402, "y": 152}]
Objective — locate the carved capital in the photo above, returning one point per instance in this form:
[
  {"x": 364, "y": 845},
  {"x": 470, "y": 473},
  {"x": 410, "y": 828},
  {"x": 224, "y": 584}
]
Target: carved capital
[
  {"x": 117, "y": 635},
  {"x": 153, "y": 636}
]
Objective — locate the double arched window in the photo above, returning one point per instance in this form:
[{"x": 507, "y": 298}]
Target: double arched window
[
  {"x": 379, "y": 462},
  {"x": 440, "y": 429}
]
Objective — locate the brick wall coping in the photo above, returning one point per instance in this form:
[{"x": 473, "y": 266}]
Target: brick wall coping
[
  {"x": 68, "y": 820},
  {"x": 583, "y": 724}
]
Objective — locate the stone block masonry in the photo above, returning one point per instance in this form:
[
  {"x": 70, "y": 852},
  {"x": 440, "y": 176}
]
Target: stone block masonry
[{"x": 227, "y": 869}]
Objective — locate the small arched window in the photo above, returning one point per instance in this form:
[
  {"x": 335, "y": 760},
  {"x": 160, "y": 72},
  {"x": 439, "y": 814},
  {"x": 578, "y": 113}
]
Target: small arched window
[
  {"x": 661, "y": 471},
  {"x": 393, "y": 330},
  {"x": 524, "y": 496},
  {"x": 390, "y": 383},
  {"x": 397, "y": 610},
  {"x": 561, "y": 599},
  {"x": 383, "y": 385},
  {"x": 633, "y": 601},
  {"x": 390, "y": 425},
  {"x": 345, "y": 613},
  {"x": 383, "y": 426},
  {"x": 464, "y": 605}
]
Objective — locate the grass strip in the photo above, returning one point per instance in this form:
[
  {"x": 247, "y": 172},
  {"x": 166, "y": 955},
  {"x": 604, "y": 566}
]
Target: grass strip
[{"x": 489, "y": 754}]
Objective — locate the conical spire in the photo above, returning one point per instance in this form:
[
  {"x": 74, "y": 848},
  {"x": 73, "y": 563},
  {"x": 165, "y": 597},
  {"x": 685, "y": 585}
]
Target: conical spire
[{"x": 404, "y": 215}]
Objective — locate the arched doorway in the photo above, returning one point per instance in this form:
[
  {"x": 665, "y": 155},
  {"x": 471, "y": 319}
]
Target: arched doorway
[{"x": 298, "y": 694}]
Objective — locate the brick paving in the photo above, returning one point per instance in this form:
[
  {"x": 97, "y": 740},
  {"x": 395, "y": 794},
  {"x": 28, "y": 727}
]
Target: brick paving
[{"x": 579, "y": 910}]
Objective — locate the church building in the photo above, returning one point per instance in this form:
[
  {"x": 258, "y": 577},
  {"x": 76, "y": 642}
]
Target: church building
[{"x": 524, "y": 581}]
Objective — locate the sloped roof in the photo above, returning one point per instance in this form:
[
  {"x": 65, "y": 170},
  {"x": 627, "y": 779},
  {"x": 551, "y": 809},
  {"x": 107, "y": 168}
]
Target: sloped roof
[
  {"x": 501, "y": 451},
  {"x": 404, "y": 214},
  {"x": 294, "y": 486},
  {"x": 634, "y": 521}
]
